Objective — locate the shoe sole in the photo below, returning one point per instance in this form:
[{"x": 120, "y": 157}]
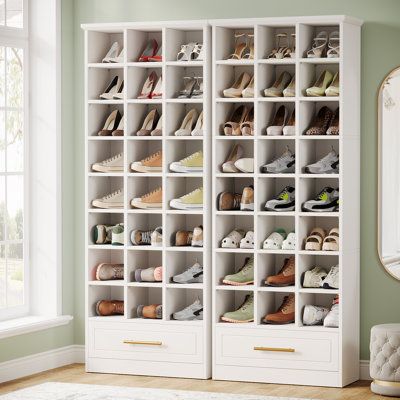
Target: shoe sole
[
  {"x": 323, "y": 210},
  {"x": 99, "y": 204},
  {"x": 185, "y": 169},
  {"x": 247, "y": 207},
  {"x": 277, "y": 323},
  {"x": 283, "y": 285},
  {"x": 146, "y": 205},
  {"x": 236, "y": 321},
  {"x": 237, "y": 283},
  {"x": 280, "y": 209},
  {"x": 107, "y": 169},
  {"x": 180, "y": 206},
  {"x": 146, "y": 169}
]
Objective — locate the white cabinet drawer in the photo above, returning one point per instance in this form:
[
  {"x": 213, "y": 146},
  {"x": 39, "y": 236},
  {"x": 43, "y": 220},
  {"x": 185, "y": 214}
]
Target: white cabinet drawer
[
  {"x": 146, "y": 342},
  {"x": 277, "y": 349}
]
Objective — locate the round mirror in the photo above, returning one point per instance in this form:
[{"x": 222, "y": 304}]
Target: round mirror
[{"x": 389, "y": 173}]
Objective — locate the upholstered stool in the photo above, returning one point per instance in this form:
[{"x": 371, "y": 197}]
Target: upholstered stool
[{"x": 385, "y": 359}]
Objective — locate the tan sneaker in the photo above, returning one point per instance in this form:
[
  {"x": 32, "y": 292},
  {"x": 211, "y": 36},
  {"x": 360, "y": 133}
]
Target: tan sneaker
[
  {"x": 112, "y": 164},
  {"x": 108, "y": 272},
  {"x": 152, "y": 163},
  {"x": 285, "y": 276},
  {"x": 247, "y": 200},
  {"x": 152, "y": 199},
  {"x": 285, "y": 313},
  {"x": 112, "y": 200},
  {"x": 183, "y": 238},
  {"x": 110, "y": 307},
  {"x": 197, "y": 240}
]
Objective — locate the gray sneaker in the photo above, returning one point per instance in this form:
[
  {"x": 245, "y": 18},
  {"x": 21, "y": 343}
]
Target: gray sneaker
[
  {"x": 193, "y": 274},
  {"x": 190, "y": 313}
]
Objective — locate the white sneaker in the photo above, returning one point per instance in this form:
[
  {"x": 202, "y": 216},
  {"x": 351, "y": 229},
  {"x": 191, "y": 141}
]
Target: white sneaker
[
  {"x": 314, "y": 278},
  {"x": 282, "y": 165},
  {"x": 314, "y": 315},
  {"x": 248, "y": 241},
  {"x": 112, "y": 164},
  {"x": 290, "y": 242},
  {"x": 232, "y": 240},
  {"x": 275, "y": 240},
  {"x": 331, "y": 281},
  {"x": 190, "y": 313},
  {"x": 156, "y": 237},
  {"x": 112, "y": 200},
  {"x": 245, "y": 165},
  {"x": 332, "y": 319},
  {"x": 326, "y": 165}
]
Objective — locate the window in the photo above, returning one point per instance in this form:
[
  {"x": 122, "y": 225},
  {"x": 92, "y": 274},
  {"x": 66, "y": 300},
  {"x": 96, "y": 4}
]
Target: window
[{"x": 14, "y": 262}]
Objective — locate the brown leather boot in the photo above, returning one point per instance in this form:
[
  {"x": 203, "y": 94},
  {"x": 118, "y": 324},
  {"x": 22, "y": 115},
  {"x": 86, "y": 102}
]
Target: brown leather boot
[
  {"x": 285, "y": 313},
  {"x": 183, "y": 238},
  {"x": 152, "y": 311},
  {"x": 229, "y": 201},
  {"x": 110, "y": 307},
  {"x": 285, "y": 277},
  {"x": 247, "y": 201}
]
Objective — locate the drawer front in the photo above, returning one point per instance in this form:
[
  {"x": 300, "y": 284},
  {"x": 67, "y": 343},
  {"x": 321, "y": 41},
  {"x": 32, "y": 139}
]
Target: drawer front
[
  {"x": 278, "y": 349},
  {"x": 146, "y": 342}
]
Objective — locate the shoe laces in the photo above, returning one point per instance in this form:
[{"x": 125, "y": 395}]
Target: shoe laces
[
  {"x": 248, "y": 266},
  {"x": 111, "y": 195},
  {"x": 247, "y": 303},
  {"x": 118, "y": 272},
  {"x": 288, "y": 302},
  {"x": 119, "y": 307},
  {"x": 198, "y": 190},
  {"x": 189, "y": 158},
  {"x": 147, "y": 195},
  {"x": 284, "y": 194},
  {"x": 113, "y": 158},
  {"x": 323, "y": 194},
  {"x": 146, "y": 236},
  {"x": 286, "y": 154},
  {"x": 152, "y": 156},
  {"x": 237, "y": 199}
]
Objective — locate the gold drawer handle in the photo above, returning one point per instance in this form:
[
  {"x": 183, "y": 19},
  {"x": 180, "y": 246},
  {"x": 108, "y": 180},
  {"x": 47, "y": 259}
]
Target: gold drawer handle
[
  {"x": 279, "y": 349},
  {"x": 143, "y": 342}
]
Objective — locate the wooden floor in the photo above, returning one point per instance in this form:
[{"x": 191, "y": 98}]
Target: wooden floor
[{"x": 76, "y": 374}]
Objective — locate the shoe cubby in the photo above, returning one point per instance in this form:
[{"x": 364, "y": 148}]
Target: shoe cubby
[
  {"x": 175, "y": 81},
  {"x": 266, "y": 116},
  {"x": 99, "y": 256},
  {"x": 224, "y": 42},
  {"x": 145, "y": 296},
  {"x": 138, "y": 259},
  {"x": 227, "y": 75},
  {"x": 97, "y": 116},
  {"x": 268, "y": 188},
  {"x": 136, "y": 77},
  {"x": 106, "y": 218},
  {"x": 98, "y": 81},
  {"x": 181, "y": 222},
  {"x": 179, "y": 149},
  {"x": 269, "y": 265},
  {"x": 143, "y": 222},
  {"x": 268, "y": 303},
  {"x": 140, "y": 150},
  {"x": 138, "y": 186},
  {"x": 101, "y": 43},
  {"x": 310, "y": 72},
  {"x": 269, "y": 150},
  {"x": 177, "y": 37},
  {"x": 268, "y": 74},
  {"x": 267, "y": 41},
  {"x": 307, "y": 34},
  {"x": 266, "y": 224},
  {"x": 223, "y": 149},
  {"x": 136, "y": 116},
  {"x": 223, "y": 113},
  {"x": 232, "y": 185},
  {"x": 228, "y": 264},
  {"x": 102, "y": 150},
  {"x": 178, "y": 186},
  {"x": 98, "y": 293},
  {"x": 179, "y": 298},
  {"x": 225, "y": 224},
  {"x": 137, "y": 39},
  {"x": 101, "y": 186},
  {"x": 229, "y": 299},
  {"x": 176, "y": 113},
  {"x": 177, "y": 262}
]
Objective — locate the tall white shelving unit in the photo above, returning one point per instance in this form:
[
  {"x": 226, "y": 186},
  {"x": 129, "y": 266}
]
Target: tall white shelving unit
[
  {"x": 128, "y": 344},
  {"x": 294, "y": 353}
]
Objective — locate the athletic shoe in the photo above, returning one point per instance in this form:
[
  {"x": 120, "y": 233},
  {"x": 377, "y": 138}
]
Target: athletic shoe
[
  {"x": 156, "y": 237},
  {"x": 190, "y": 201},
  {"x": 232, "y": 240},
  {"x": 245, "y": 275},
  {"x": 248, "y": 241},
  {"x": 247, "y": 199},
  {"x": 112, "y": 164},
  {"x": 112, "y": 200},
  {"x": 193, "y": 274},
  {"x": 102, "y": 234},
  {"x": 326, "y": 165},
  {"x": 228, "y": 201},
  {"x": 183, "y": 238},
  {"x": 106, "y": 308},
  {"x": 150, "y": 237},
  {"x": 109, "y": 272},
  {"x": 284, "y": 164},
  {"x": 332, "y": 319},
  {"x": 284, "y": 201},
  {"x": 117, "y": 235},
  {"x": 314, "y": 315},
  {"x": 325, "y": 201},
  {"x": 197, "y": 239},
  {"x": 152, "y": 311},
  {"x": 285, "y": 313},
  {"x": 314, "y": 278},
  {"x": 152, "y": 163},
  {"x": 152, "y": 274},
  {"x": 290, "y": 242},
  {"x": 190, "y": 313},
  {"x": 286, "y": 275},
  {"x": 192, "y": 163},
  {"x": 331, "y": 281},
  {"x": 245, "y": 313},
  {"x": 152, "y": 200}
]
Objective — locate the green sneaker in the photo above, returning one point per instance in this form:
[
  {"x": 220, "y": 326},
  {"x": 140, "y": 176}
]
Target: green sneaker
[
  {"x": 245, "y": 276},
  {"x": 192, "y": 163},
  {"x": 118, "y": 235},
  {"x": 192, "y": 200},
  {"x": 245, "y": 313}
]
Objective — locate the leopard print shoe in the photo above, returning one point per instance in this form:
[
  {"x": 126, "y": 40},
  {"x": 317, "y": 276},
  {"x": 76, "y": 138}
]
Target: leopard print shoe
[
  {"x": 321, "y": 122},
  {"x": 334, "y": 125}
]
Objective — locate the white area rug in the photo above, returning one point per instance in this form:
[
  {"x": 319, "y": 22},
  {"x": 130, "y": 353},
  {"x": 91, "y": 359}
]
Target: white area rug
[{"x": 68, "y": 391}]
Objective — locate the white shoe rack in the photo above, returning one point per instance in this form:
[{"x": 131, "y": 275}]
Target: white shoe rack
[
  {"x": 184, "y": 348},
  {"x": 322, "y": 356}
]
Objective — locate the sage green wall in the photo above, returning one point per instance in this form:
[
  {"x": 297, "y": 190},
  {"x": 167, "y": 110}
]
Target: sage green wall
[{"x": 380, "y": 294}]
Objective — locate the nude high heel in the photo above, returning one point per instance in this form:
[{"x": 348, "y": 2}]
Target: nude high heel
[
  {"x": 290, "y": 90},
  {"x": 276, "y": 90},
  {"x": 187, "y": 123},
  {"x": 333, "y": 88},
  {"x": 279, "y": 121},
  {"x": 149, "y": 123},
  {"x": 248, "y": 91},
  {"x": 120, "y": 128},
  {"x": 148, "y": 86},
  {"x": 322, "y": 83},
  {"x": 238, "y": 86},
  {"x": 198, "y": 129},
  {"x": 247, "y": 127},
  {"x": 111, "y": 124},
  {"x": 232, "y": 127},
  {"x": 234, "y": 155},
  {"x": 158, "y": 129}
]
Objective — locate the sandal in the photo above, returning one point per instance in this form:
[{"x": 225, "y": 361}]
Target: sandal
[
  {"x": 232, "y": 240},
  {"x": 186, "y": 52},
  {"x": 280, "y": 49},
  {"x": 275, "y": 240},
  {"x": 331, "y": 242},
  {"x": 250, "y": 45},
  {"x": 197, "y": 53},
  {"x": 319, "y": 45},
  {"x": 315, "y": 239},
  {"x": 333, "y": 45},
  {"x": 188, "y": 86},
  {"x": 240, "y": 47},
  {"x": 291, "y": 53},
  {"x": 248, "y": 241}
]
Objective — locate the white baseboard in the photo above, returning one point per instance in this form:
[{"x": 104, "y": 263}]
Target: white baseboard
[{"x": 25, "y": 366}]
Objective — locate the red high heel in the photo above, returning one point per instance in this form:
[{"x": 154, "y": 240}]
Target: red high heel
[
  {"x": 157, "y": 57},
  {"x": 148, "y": 87},
  {"x": 149, "y": 51}
]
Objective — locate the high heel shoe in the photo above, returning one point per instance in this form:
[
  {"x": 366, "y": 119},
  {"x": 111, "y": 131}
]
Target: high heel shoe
[
  {"x": 289, "y": 129},
  {"x": 276, "y": 90},
  {"x": 120, "y": 128},
  {"x": 319, "y": 87},
  {"x": 113, "y": 88},
  {"x": 248, "y": 91},
  {"x": 279, "y": 121},
  {"x": 238, "y": 86},
  {"x": 188, "y": 86},
  {"x": 148, "y": 86},
  {"x": 232, "y": 127},
  {"x": 149, "y": 123},
  {"x": 334, "y": 124},
  {"x": 292, "y": 49},
  {"x": 112, "y": 53},
  {"x": 187, "y": 123},
  {"x": 158, "y": 129},
  {"x": 240, "y": 47},
  {"x": 234, "y": 155},
  {"x": 157, "y": 57},
  {"x": 334, "y": 45},
  {"x": 290, "y": 90},
  {"x": 119, "y": 95},
  {"x": 197, "y": 52},
  {"x": 198, "y": 129},
  {"x": 185, "y": 53},
  {"x": 249, "y": 55},
  {"x": 318, "y": 46},
  {"x": 198, "y": 88},
  {"x": 247, "y": 126},
  {"x": 149, "y": 51},
  {"x": 111, "y": 124},
  {"x": 321, "y": 122},
  {"x": 281, "y": 46},
  {"x": 333, "y": 89},
  {"x": 157, "y": 91}
]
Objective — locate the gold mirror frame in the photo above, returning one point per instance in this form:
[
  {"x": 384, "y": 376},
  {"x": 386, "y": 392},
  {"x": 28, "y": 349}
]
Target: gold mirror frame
[{"x": 379, "y": 169}]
